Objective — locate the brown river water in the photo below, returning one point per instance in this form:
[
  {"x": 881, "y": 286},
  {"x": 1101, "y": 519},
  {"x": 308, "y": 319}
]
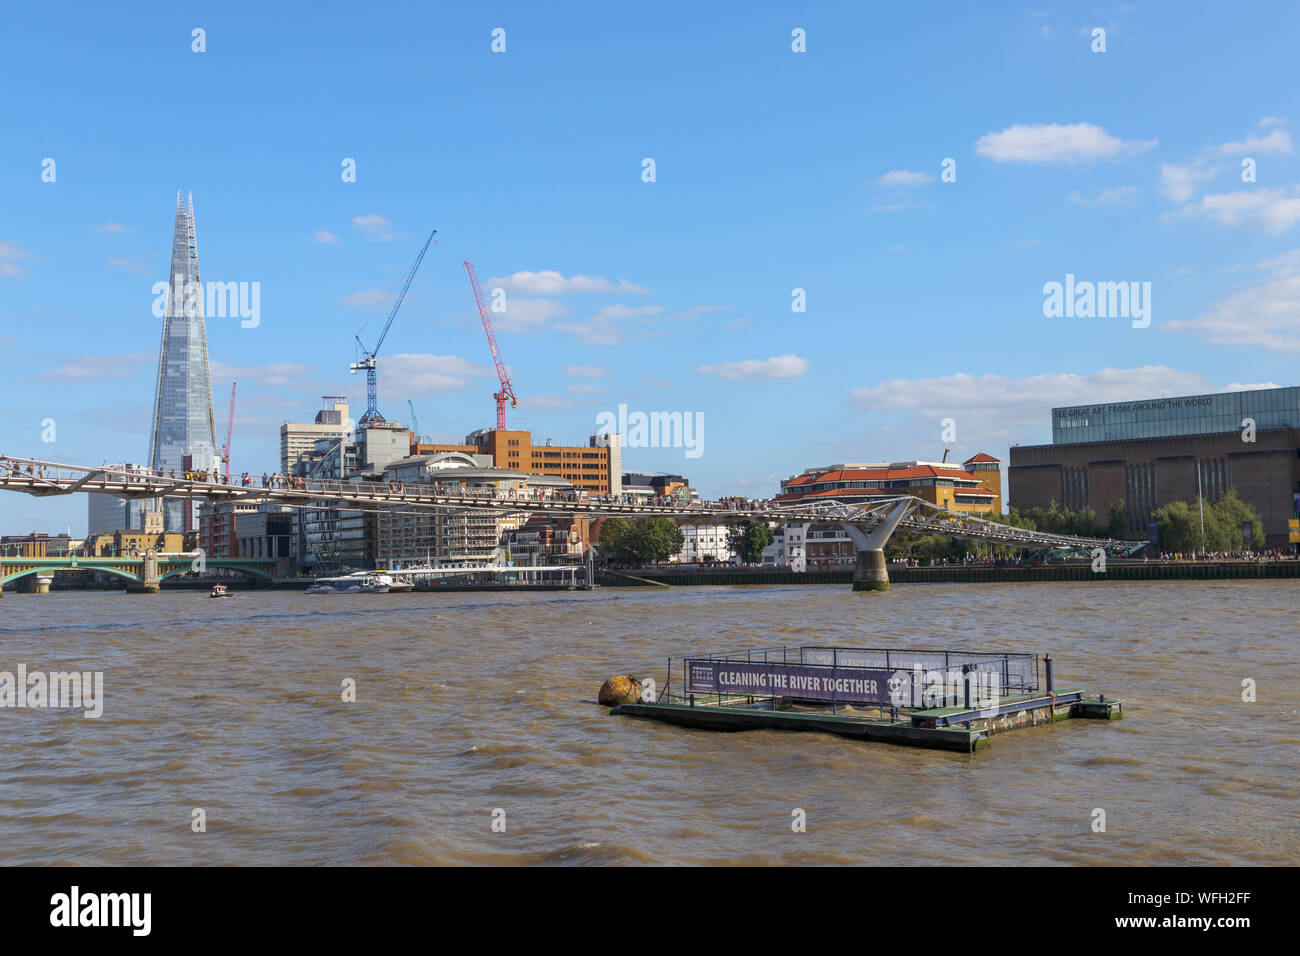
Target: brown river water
[{"x": 468, "y": 702}]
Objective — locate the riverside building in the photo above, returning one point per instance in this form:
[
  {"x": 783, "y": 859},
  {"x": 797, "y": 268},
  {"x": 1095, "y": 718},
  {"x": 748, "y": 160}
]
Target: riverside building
[
  {"x": 973, "y": 488},
  {"x": 406, "y": 538},
  {"x": 596, "y": 467},
  {"x": 297, "y": 439},
  {"x": 1153, "y": 452}
]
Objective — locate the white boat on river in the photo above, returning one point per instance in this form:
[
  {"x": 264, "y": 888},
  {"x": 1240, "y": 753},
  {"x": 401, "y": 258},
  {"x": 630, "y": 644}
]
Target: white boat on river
[{"x": 359, "y": 582}]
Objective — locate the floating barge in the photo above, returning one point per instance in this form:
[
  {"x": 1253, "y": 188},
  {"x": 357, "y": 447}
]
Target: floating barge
[{"x": 942, "y": 700}]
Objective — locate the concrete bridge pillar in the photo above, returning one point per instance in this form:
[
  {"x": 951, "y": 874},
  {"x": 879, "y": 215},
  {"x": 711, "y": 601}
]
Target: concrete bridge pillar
[
  {"x": 35, "y": 584},
  {"x": 871, "y": 573},
  {"x": 148, "y": 583}
]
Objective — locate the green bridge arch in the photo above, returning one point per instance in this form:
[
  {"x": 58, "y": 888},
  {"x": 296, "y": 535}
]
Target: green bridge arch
[
  {"x": 120, "y": 572},
  {"x": 131, "y": 571},
  {"x": 223, "y": 565}
]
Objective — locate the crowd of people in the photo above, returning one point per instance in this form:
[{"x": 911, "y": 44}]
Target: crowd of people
[
  {"x": 10, "y": 467},
  {"x": 1270, "y": 554},
  {"x": 280, "y": 481}
]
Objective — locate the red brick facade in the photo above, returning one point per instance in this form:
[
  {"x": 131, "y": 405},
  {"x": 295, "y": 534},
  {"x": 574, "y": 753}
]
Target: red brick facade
[{"x": 1152, "y": 472}]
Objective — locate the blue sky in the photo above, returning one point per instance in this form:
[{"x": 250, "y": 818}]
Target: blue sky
[{"x": 775, "y": 170}]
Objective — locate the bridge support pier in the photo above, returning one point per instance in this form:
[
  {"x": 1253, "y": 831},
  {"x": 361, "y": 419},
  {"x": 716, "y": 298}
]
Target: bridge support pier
[
  {"x": 871, "y": 573},
  {"x": 149, "y": 580},
  {"x": 35, "y": 584}
]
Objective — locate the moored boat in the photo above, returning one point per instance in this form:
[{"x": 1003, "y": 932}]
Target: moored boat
[{"x": 358, "y": 582}]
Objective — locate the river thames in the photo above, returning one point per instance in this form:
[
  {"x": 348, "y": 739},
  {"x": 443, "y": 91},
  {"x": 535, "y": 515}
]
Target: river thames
[{"x": 472, "y": 702}]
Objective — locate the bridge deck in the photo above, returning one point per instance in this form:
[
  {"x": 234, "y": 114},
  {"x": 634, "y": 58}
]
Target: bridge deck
[{"x": 43, "y": 478}]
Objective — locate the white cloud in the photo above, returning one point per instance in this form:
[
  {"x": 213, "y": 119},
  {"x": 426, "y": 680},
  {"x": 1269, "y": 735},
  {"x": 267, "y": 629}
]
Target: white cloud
[
  {"x": 779, "y": 366},
  {"x": 375, "y": 226},
  {"x": 1269, "y": 209},
  {"x": 1180, "y": 183},
  {"x": 697, "y": 311},
  {"x": 1265, "y": 316},
  {"x": 547, "y": 403},
  {"x": 416, "y": 375},
  {"x": 276, "y": 374},
  {"x": 905, "y": 177},
  {"x": 117, "y": 262},
  {"x": 585, "y": 389},
  {"x": 900, "y": 206},
  {"x": 1249, "y": 386},
  {"x": 1278, "y": 141},
  {"x": 10, "y": 251},
  {"x": 549, "y": 282},
  {"x": 603, "y": 327},
  {"x": 1266, "y": 121},
  {"x": 1119, "y": 196},
  {"x": 987, "y": 405},
  {"x": 527, "y": 315},
  {"x": 99, "y": 368},
  {"x": 365, "y": 299},
  {"x": 586, "y": 371},
  {"x": 1056, "y": 143},
  {"x": 328, "y": 238},
  {"x": 114, "y": 227}
]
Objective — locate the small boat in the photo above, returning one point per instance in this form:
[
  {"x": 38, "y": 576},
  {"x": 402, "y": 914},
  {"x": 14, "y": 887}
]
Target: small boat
[
  {"x": 220, "y": 591},
  {"x": 358, "y": 582}
]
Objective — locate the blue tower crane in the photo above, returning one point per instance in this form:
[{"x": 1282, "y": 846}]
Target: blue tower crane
[{"x": 367, "y": 360}]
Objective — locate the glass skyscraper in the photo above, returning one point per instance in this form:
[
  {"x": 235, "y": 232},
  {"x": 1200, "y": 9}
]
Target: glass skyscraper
[{"x": 184, "y": 435}]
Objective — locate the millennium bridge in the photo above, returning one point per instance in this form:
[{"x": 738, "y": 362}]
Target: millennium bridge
[{"x": 868, "y": 524}]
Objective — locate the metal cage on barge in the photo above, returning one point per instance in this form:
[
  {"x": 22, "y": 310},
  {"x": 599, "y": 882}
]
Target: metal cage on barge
[{"x": 944, "y": 699}]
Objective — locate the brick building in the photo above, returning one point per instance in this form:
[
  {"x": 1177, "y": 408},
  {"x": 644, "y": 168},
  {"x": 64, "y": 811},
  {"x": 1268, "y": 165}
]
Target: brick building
[
  {"x": 596, "y": 467},
  {"x": 1152, "y": 453}
]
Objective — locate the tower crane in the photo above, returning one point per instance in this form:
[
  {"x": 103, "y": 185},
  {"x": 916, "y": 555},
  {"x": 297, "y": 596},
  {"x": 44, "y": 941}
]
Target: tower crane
[
  {"x": 415, "y": 422},
  {"x": 506, "y": 390},
  {"x": 230, "y": 428},
  {"x": 367, "y": 361}
]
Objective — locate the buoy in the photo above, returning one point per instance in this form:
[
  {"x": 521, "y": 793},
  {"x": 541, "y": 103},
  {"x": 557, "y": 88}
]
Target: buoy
[{"x": 624, "y": 689}]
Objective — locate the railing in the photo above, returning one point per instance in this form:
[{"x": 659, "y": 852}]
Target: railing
[
  {"x": 897, "y": 679},
  {"x": 922, "y": 517}
]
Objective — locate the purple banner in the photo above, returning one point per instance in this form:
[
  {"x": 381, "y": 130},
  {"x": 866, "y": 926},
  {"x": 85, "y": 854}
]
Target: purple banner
[{"x": 774, "y": 679}]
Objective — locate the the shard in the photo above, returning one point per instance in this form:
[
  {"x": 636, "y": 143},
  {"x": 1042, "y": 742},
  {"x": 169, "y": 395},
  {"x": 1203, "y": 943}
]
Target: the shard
[{"x": 184, "y": 435}]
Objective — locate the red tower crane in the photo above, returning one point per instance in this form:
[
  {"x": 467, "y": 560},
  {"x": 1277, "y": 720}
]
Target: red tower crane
[
  {"x": 506, "y": 390},
  {"x": 230, "y": 427}
]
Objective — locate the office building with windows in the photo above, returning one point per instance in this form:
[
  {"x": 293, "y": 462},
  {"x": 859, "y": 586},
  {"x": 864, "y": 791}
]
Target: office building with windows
[
  {"x": 1153, "y": 452},
  {"x": 974, "y": 487},
  {"x": 297, "y": 439},
  {"x": 596, "y": 467}
]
